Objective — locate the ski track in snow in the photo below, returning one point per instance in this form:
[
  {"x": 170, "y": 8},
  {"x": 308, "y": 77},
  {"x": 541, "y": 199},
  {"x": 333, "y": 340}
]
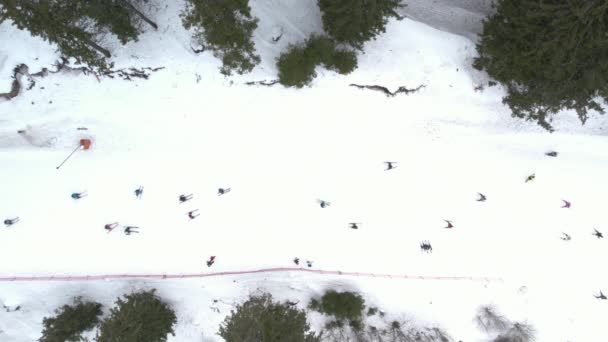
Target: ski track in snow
[{"x": 280, "y": 150}]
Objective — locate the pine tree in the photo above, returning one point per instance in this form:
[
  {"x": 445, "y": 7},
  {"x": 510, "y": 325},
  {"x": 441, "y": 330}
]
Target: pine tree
[
  {"x": 140, "y": 317},
  {"x": 226, "y": 27},
  {"x": 356, "y": 21},
  {"x": 71, "y": 321},
  {"x": 75, "y": 25},
  {"x": 550, "y": 55},
  {"x": 260, "y": 319}
]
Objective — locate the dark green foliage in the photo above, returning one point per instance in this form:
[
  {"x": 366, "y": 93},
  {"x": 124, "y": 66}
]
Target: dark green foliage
[
  {"x": 74, "y": 25},
  {"x": 140, "y": 317},
  {"x": 344, "y": 306},
  {"x": 297, "y": 65},
  {"x": 372, "y": 311},
  {"x": 550, "y": 55},
  {"x": 356, "y": 21},
  {"x": 261, "y": 320},
  {"x": 70, "y": 322},
  {"x": 226, "y": 27}
]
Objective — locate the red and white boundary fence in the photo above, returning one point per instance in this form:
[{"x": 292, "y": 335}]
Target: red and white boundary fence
[{"x": 228, "y": 273}]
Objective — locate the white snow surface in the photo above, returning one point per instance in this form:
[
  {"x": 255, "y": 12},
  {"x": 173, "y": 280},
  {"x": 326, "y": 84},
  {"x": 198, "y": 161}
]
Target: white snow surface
[{"x": 280, "y": 150}]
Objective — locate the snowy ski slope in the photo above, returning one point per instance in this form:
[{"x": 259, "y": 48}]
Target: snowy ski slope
[{"x": 280, "y": 150}]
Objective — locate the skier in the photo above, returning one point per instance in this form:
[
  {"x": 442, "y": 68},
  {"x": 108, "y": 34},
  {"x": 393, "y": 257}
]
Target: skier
[
  {"x": 193, "y": 214},
  {"x": 551, "y": 154},
  {"x": 78, "y": 195},
  {"x": 131, "y": 229},
  {"x": 296, "y": 261},
  {"x": 598, "y": 234},
  {"x": 211, "y": 261},
  {"x": 566, "y": 204},
  {"x": 390, "y": 165},
  {"x": 110, "y": 226},
  {"x": 450, "y": 225},
  {"x": 482, "y": 197},
  {"x": 222, "y": 191},
  {"x": 184, "y": 198},
  {"x": 309, "y": 263},
  {"x": 323, "y": 204},
  {"x": 565, "y": 237},
  {"x": 10, "y": 222},
  {"x": 530, "y": 178},
  {"x": 354, "y": 225},
  {"x": 600, "y": 296},
  {"x": 425, "y": 246},
  {"x": 139, "y": 192}
]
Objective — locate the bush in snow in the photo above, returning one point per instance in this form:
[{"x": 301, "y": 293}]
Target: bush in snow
[
  {"x": 344, "y": 306},
  {"x": 140, "y": 316},
  {"x": 260, "y": 319},
  {"x": 71, "y": 321},
  {"x": 226, "y": 27},
  {"x": 297, "y": 65},
  {"x": 550, "y": 55},
  {"x": 518, "y": 332},
  {"x": 489, "y": 320},
  {"x": 356, "y": 21},
  {"x": 77, "y": 26}
]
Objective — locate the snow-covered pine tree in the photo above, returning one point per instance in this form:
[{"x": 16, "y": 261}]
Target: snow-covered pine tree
[
  {"x": 550, "y": 55},
  {"x": 356, "y": 21}
]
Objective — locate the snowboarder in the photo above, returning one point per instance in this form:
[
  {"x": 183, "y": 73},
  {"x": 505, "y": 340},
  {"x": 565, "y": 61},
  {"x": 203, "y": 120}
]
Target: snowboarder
[
  {"x": 551, "y": 154},
  {"x": 450, "y": 225},
  {"x": 390, "y": 165},
  {"x": 598, "y": 234},
  {"x": 131, "y": 229},
  {"x": 600, "y": 296},
  {"x": 10, "y": 222},
  {"x": 78, "y": 195},
  {"x": 222, "y": 191},
  {"x": 482, "y": 197},
  {"x": 309, "y": 263},
  {"x": 184, "y": 198},
  {"x": 565, "y": 237},
  {"x": 566, "y": 204},
  {"x": 323, "y": 204},
  {"x": 211, "y": 261},
  {"x": 139, "y": 192},
  {"x": 354, "y": 225},
  {"x": 193, "y": 214},
  {"x": 296, "y": 261},
  {"x": 110, "y": 226},
  {"x": 530, "y": 178},
  {"x": 425, "y": 246}
]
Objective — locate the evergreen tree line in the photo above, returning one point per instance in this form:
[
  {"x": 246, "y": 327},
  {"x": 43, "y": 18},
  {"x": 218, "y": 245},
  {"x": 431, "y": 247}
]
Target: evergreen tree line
[
  {"x": 145, "y": 317},
  {"x": 549, "y": 55}
]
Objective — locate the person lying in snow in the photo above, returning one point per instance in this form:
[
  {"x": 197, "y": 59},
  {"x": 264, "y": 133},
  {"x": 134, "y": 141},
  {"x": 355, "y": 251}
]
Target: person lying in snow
[
  {"x": 78, "y": 195},
  {"x": 110, "y": 226},
  {"x": 211, "y": 261},
  {"x": 354, "y": 225},
  {"x": 193, "y": 214},
  {"x": 222, "y": 191},
  {"x": 598, "y": 234},
  {"x": 425, "y": 246},
  {"x": 566, "y": 204},
  {"x": 323, "y": 204},
  {"x": 551, "y": 154},
  {"x": 450, "y": 225},
  {"x": 565, "y": 237},
  {"x": 390, "y": 165},
  {"x": 530, "y": 178},
  {"x": 10, "y": 222},
  {"x": 184, "y": 198},
  {"x": 308, "y": 263},
  {"x": 482, "y": 197},
  {"x": 139, "y": 192},
  {"x": 131, "y": 229}
]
